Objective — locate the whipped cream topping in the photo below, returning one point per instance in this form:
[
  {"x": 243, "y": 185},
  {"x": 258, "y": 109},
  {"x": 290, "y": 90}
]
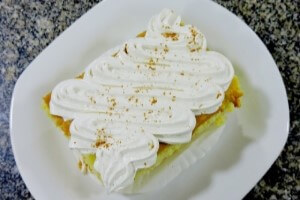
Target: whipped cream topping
[
  {"x": 124, "y": 148},
  {"x": 145, "y": 91}
]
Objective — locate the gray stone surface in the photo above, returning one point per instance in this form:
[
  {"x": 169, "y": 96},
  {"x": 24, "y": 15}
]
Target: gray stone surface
[{"x": 28, "y": 26}]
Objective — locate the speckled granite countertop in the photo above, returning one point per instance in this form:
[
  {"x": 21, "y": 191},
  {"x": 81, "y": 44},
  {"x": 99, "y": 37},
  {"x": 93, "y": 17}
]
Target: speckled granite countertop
[{"x": 28, "y": 26}]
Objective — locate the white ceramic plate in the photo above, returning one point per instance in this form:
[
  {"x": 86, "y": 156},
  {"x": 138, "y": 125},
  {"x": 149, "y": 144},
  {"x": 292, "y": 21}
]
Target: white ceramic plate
[{"x": 252, "y": 138}]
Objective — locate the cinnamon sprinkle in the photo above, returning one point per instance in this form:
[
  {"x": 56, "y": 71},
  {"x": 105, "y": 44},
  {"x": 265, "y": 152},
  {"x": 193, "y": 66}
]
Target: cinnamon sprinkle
[
  {"x": 125, "y": 49},
  {"x": 153, "y": 100},
  {"x": 171, "y": 35},
  {"x": 166, "y": 49},
  {"x": 99, "y": 143},
  {"x": 151, "y": 145},
  {"x": 115, "y": 54},
  {"x": 173, "y": 98},
  {"x": 151, "y": 64}
]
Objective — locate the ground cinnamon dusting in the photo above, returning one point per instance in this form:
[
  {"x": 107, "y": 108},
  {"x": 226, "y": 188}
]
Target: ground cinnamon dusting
[
  {"x": 166, "y": 49},
  {"x": 193, "y": 50},
  {"x": 153, "y": 100},
  {"x": 115, "y": 54},
  {"x": 125, "y": 49},
  {"x": 100, "y": 131},
  {"x": 194, "y": 34},
  {"x": 151, "y": 64},
  {"x": 142, "y": 34},
  {"x": 99, "y": 142},
  {"x": 173, "y": 98},
  {"x": 171, "y": 35},
  {"x": 93, "y": 101},
  {"x": 80, "y": 76},
  {"x": 151, "y": 145},
  {"x": 113, "y": 102},
  {"x": 130, "y": 98},
  {"x": 137, "y": 91}
]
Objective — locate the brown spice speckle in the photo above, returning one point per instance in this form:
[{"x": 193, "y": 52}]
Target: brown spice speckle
[
  {"x": 166, "y": 49},
  {"x": 99, "y": 143},
  {"x": 196, "y": 49},
  {"x": 137, "y": 91},
  {"x": 113, "y": 102},
  {"x": 142, "y": 34},
  {"x": 151, "y": 64},
  {"x": 173, "y": 98},
  {"x": 125, "y": 49},
  {"x": 171, "y": 35},
  {"x": 100, "y": 131},
  {"x": 130, "y": 98},
  {"x": 153, "y": 100},
  {"x": 115, "y": 54},
  {"x": 151, "y": 145},
  {"x": 92, "y": 100}
]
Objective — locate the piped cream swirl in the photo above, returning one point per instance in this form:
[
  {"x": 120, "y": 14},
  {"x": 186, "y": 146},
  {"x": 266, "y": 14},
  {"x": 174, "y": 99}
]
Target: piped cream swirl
[
  {"x": 144, "y": 91},
  {"x": 121, "y": 148}
]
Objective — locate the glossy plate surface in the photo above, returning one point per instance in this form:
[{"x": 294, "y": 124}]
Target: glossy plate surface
[{"x": 252, "y": 139}]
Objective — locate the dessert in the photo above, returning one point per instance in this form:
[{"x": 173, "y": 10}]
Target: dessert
[{"x": 139, "y": 102}]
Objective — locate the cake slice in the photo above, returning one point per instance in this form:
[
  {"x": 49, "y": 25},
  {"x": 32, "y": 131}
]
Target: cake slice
[{"x": 142, "y": 101}]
